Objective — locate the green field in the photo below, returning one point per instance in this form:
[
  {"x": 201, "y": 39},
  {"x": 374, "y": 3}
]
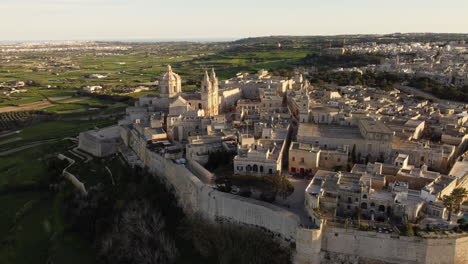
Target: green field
[
  {"x": 38, "y": 235},
  {"x": 129, "y": 69}
]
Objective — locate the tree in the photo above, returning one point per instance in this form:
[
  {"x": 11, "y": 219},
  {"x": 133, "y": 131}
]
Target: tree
[
  {"x": 281, "y": 185},
  {"x": 353, "y": 154},
  {"x": 408, "y": 229},
  {"x": 449, "y": 204},
  {"x": 459, "y": 195}
]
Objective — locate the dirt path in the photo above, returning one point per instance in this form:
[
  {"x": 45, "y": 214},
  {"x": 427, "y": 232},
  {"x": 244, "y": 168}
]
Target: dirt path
[
  {"x": 10, "y": 140},
  {"x": 32, "y": 145},
  {"x": 27, "y": 107}
]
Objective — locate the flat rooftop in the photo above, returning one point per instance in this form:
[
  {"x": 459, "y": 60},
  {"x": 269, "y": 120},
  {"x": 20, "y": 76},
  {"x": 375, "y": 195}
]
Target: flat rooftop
[
  {"x": 105, "y": 133},
  {"x": 375, "y": 126},
  {"x": 328, "y": 131}
]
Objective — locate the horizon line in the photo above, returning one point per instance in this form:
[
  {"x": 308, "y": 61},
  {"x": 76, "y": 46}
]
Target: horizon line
[{"x": 214, "y": 39}]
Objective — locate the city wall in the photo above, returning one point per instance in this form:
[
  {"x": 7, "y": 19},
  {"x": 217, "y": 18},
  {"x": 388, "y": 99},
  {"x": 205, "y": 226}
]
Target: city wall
[
  {"x": 196, "y": 197},
  {"x": 352, "y": 246},
  {"x": 313, "y": 246}
]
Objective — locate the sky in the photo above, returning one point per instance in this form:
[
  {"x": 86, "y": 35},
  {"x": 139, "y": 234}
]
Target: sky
[{"x": 222, "y": 19}]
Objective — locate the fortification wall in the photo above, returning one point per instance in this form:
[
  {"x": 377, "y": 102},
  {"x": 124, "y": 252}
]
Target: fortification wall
[
  {"x": 324, "y": 245},
  {"x": 308, "y": 246},
  {"x": 196, "y": 197},
  {"x": 352, "y": 246},
  {"x": 215, "y": 204}
]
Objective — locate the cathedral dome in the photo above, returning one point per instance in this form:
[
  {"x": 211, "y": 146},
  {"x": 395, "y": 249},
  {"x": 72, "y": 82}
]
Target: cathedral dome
[{"x": 169, "y": 75}]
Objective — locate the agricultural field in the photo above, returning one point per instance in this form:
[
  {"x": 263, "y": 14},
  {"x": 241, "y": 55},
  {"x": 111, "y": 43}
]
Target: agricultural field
[
  {"x": 50, "y": 75},
  {"x": 31, "y": 221},
  {"x": 35, "y": 125}
]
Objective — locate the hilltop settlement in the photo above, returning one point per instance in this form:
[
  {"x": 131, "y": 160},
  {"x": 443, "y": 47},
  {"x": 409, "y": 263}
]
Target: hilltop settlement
[{"x": 343, "y": 172}]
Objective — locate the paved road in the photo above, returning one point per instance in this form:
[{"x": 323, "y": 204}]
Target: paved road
[
  {"x": 417, "y": 92},
  {"x": 32, "y": 145},
  {"x": 295, "y": 202},
  {"x": 10, "y": 133},
  {"x": 10, "y": 140}
]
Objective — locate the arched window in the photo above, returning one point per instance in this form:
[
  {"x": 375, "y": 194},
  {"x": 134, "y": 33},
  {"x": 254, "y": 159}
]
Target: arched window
[
  {"x": 200, "y": 106},
  {"x": 364, "y": 206},
  {"x": 261, "y": 168},
  {"x": 248, "y": 168},
  {"x": 364, "y": 196},
  {"x": 381, "y": 208},
  {"x": 372, "y": 204},
  {"x": 255, "y": 168}
]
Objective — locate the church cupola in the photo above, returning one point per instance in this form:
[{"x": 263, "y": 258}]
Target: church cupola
[{"x": 170, "y": 83}]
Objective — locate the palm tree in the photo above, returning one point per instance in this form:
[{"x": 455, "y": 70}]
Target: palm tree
[
  {"x": 449, "y": 204},
  {"x": 459, "y": 195}
]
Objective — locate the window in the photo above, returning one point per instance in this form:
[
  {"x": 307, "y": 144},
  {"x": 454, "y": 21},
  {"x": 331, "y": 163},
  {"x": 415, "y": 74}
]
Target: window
[
  {"x": 255, "y": 168},
  {"x": 293, "y": 170},
  {"x": 382, "y": 208},
  {"x": 372, "y": 204},
  {"x": 293, "y": 158},
  {"x": 270, "y": 171},
  {"x": 302, "y": 159},
  {"x": 364, "y": 196},
  {"x": 248, "y": 168},
  {"x": 364, "y": 206},
  {"x": 261, "y": 168},
  {"x": 349, "y": 207},
  {"x": 240, "y": 168},
  {"x": 339, "y": 160}
]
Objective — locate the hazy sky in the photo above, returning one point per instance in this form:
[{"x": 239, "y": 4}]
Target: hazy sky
[{"x": 201, "y": 19}]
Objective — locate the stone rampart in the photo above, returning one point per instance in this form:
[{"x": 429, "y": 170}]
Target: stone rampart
[
  {"x": 353, "y": 246},
  {"x": 313, "y": 246},
  {"x": 196, "y": 197}
]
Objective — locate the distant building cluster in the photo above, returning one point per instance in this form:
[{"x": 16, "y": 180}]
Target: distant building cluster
[{"x": 444, "y": 63}]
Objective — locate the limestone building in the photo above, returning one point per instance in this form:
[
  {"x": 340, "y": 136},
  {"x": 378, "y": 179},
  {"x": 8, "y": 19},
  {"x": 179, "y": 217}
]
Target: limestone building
[
  {"x": 170, "y": 84},
  {"x": 210, "y": 94}
]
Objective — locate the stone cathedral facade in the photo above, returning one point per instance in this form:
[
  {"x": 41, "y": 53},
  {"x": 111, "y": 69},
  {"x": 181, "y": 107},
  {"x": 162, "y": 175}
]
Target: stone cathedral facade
[{"x": 210, "y": 94}]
